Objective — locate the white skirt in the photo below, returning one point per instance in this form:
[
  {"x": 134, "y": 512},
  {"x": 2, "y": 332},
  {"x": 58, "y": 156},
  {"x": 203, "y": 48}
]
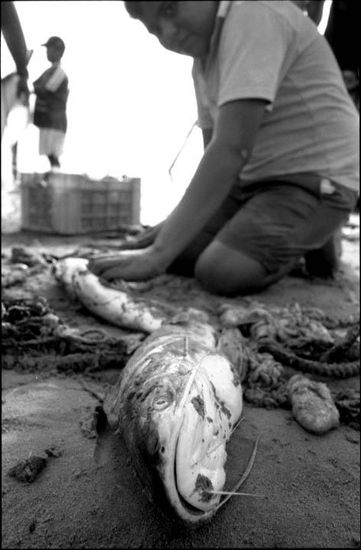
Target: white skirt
[{"x": 51, "y": 142}]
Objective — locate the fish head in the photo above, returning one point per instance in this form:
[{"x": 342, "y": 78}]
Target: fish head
[
  {"x": 176, "y": 417},
  {"x": 65, "y": 269}
]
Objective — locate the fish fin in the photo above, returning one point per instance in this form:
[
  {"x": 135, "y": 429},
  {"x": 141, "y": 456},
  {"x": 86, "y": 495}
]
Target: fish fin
[
  {"x": 104, "y": 432},
  {"x": 232, "y": 344},
  {"x": 189, "y": 315}
]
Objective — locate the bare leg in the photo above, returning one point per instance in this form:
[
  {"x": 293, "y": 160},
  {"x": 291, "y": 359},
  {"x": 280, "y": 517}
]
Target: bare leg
[
  {"x": 324, "y": 261},
  {"x": 54, "y": 161},
  {"x": 225, "y": 271}
]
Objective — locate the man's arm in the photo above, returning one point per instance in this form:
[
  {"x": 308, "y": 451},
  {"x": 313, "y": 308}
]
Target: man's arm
[
  {"x": 228, "y": 151},
  {"x": 314, "y": 10},
  {"x": 148, "y": 237},
  {"x": 207, "y": 136},
  {"x": 226, "y": 154},
  {"x": 14, "y": 37}
]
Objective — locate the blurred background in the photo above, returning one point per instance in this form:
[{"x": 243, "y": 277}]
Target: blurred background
[{"x": 131, "y": 102}]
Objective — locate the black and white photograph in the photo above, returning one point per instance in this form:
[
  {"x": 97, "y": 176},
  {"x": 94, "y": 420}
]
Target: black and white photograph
[{"x": 180, "y": 274}]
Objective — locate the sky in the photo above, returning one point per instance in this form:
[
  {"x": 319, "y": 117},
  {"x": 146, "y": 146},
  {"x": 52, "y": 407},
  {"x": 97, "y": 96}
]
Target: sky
[{"x": 131, "y": 102}]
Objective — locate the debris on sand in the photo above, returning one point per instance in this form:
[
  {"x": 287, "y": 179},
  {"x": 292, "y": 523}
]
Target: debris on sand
[
  {"x": 29, "y": 469},
  {"x": 53, "y": 452},
  {"x": 27, "y": 256},
  {"x": 312, "y": 404},
  {"x": 351, "y": 230},
  {"x": 34, "y": 338},
  {"x": 87, "y": 423},
  {"x": 348, "y": 403},
  {"x": 22, "y": 264},
  {"x": 14, "y": 275}
]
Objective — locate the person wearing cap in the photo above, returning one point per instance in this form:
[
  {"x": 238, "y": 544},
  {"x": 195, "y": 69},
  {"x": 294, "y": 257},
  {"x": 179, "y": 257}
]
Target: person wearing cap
[{"x": 52, "y": 91}]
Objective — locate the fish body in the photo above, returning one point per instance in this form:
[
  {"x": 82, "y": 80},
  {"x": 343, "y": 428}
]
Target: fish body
[
  {"x": 114, "y": 305},
  {"x": 175, "y": 405},
  {"x": 176, "y": 401}
]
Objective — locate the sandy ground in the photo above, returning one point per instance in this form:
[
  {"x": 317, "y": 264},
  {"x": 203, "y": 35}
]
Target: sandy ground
[{"x": 309, "y": 485}]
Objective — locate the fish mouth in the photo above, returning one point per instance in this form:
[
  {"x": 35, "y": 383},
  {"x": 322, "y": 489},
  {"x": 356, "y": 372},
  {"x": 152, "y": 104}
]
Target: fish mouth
[
  {"x": 194, "y": 473},
  {"x": 188, "y": 483},
  {"x": 189, "y": 511},
  {"x": 185, "y": 440},
  {"x": 193, "y": 514}
]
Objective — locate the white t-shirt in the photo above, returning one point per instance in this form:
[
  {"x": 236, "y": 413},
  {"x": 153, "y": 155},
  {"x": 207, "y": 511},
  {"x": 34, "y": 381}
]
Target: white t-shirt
[{"x": 272, "y": 51}]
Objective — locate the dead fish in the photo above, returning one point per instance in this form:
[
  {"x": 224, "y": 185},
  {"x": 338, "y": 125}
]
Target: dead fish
[
  {"x": 112, "y": 304},
  {"x": 176, "y": 404}
]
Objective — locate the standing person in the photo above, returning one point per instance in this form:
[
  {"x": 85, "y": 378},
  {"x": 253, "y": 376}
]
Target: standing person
[
  {"x": 280, "y": 171},
  {"x": 52, "y": 91}
]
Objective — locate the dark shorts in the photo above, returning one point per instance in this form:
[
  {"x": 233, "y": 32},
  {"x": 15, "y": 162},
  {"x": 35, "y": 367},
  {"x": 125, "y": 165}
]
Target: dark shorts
[{"x": 276, "y": 222}]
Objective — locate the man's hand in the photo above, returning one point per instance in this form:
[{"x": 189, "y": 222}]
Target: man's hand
[
  {"x": 143, "y": 240},
  {"x": 131, "y": 265},
  {"x": 23, "y": 90}
]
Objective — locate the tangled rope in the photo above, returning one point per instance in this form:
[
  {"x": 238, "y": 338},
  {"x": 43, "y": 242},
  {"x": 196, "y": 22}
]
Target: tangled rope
[
  {"x": 348, "y": 404},
  {"x": 321, "y": 366},
  {"x": 34, "y": 338},
  {"x": 335, "y": 370},
  {"x": 260, "y": 342},
  {"x": 299, "y": 338},
  {"x": 265, "y": 385}
]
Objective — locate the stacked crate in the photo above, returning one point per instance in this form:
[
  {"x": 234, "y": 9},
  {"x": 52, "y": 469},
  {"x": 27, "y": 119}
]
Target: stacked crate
[{"x": 72, "y": 204}]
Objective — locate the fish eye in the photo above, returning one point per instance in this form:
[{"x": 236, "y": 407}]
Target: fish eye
[{"x": 161, "y": 402}]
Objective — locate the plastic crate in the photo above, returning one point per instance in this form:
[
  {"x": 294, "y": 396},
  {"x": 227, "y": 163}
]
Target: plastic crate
[{"x": 71, "y": 204}]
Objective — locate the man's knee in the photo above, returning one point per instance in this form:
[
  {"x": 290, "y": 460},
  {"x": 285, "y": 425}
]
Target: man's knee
[{"x": 225, "y": 271}]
